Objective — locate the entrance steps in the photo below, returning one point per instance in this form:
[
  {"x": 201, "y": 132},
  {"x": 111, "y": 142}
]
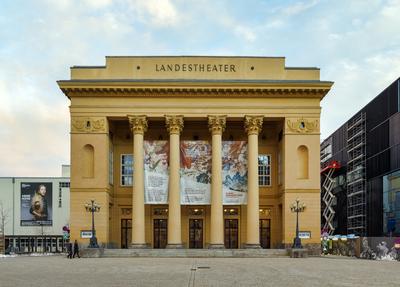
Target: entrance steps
[{"x": 195, "y": 253}]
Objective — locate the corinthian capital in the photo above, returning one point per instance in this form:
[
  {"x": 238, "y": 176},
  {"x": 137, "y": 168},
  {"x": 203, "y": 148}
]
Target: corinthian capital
[
  {"x": 253, "y": 124},
  {"x": 138, "y": 124},
  {"x": 174, "y": 124},
  {"x": 216, "y": 124}
]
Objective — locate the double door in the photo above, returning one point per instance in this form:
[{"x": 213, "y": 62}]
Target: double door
[
  {"x": 231, "y": 233},
  {"x": 160, "y": 231},
  {"x": 196, "y": 233},
  {"x": 126, "y": 233}
]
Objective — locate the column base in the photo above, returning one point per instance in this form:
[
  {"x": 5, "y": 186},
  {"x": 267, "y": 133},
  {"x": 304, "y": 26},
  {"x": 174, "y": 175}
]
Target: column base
[
  {"x": 216, "y": 246},
  {"x": 175, "y": 246},
  {"x": 139, "y": 246},
  {"x": 252, "y": 246}
]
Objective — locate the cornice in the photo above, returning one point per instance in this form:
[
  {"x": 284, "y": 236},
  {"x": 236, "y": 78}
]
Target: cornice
[{"x": 198, "y": 89}]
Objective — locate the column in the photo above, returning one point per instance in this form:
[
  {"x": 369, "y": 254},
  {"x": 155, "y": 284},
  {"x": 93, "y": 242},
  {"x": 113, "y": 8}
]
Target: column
[
  {"x": 253, "y": 125},
  {"x": 139, "y": 127},
  {"x": 217, "y": 126},
  {"x": 174, "y": 126}
]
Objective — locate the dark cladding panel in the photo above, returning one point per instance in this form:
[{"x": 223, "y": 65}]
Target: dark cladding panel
[
  {"x": 379, "y": 164},
  {"x": 395, "y": 157},
  {"x": 394, "y": 130},
  {"x": 375, "y": 206},
  {"x": 378, "y": 139}
]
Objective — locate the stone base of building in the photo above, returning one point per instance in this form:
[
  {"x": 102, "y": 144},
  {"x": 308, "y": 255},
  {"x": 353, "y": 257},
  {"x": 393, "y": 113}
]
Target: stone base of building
[
  {"x": 313, "y": 249},
  {"x": 216, "y": 246},
  {"x": 92, "y": 252},
  {"x": 252, "y": 246},
  {"x": 175, "y": 246},
  {"x": 186, "y": 253},
  {"x": 139, "y": 246}
]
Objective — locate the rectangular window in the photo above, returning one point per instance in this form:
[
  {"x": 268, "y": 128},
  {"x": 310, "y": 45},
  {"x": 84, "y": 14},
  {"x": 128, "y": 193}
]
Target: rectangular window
[
  {"x": 126, "y": 170},
  {"x": 264, "y": 170},
  {"x": 61, "y": 185}
]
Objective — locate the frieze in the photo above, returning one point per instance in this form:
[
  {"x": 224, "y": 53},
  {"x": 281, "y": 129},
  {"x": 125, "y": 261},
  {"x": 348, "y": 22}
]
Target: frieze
[
  {"x": 88, "y": 125},
  {"x": 302, "y": 125}
]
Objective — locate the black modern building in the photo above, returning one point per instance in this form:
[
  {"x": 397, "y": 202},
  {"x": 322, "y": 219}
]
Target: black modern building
[{"x": 361, "y": 190}]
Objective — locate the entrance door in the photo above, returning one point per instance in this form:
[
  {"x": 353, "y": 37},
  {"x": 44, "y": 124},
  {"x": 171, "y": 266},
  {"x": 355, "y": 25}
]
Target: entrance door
[
  {"x": 196, "y": 233},
  {"x": 126, "y": 233},
  {"x": 231, "y": 233},
  {"x": 265, "y": 233},
  {"x": 160, "y": 233}
]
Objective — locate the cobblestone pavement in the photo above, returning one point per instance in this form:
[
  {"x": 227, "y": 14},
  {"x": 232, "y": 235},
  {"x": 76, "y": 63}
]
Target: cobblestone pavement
[{"x": 190, "y": 272}]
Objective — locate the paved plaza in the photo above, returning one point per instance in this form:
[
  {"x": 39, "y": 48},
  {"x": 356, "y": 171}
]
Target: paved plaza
[{"x": 60, "y": 271}]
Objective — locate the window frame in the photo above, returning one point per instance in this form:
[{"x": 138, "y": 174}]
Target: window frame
[
  {"x": 262, "y": 177},
  {"x": 121, "y": 169}
]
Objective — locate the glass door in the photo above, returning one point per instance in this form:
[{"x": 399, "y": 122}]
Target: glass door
[
  {"x": 265, "y": 233},
  {"x": 231, "y": 233},
  {"x": 196, "y": 233},
  {"x": 160, "y": 232},
  {"x": 126, "y": 233}
]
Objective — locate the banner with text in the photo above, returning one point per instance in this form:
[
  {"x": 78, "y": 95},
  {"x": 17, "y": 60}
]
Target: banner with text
[
  {"x": 234, "y": 172},
  {"x": 195, "y": 172},
  {"x": 156, "y": 172}
]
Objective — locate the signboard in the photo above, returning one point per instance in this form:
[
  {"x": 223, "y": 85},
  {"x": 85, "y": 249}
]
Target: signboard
[
  {"x": 234, "y": 172},
  {"x": 156, "y": 172},
  {"x": 86, "y": 234},
  {"x": 305, "y": 234},
  {"x": 36, "y": 203},
  {"x": 195, "y": 172}
]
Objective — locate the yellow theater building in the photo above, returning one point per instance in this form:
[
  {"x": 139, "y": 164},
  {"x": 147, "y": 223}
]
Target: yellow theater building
[{"x": 195, "y": 152}]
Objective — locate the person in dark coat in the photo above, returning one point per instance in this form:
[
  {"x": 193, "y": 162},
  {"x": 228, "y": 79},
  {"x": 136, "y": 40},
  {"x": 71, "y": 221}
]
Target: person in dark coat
[
  {"x": 76, "y": 249},
  {"x": 69, "y": 250}
]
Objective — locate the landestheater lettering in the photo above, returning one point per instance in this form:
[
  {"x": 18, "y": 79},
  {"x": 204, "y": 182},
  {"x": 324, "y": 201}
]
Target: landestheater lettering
[
  {"x": 220, "y": 68},
  {"x": 195, "y": 152}
]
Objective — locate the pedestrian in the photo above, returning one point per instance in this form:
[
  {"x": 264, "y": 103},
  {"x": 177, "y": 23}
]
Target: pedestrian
[
  {"x": 69, "y": 250},
  {"x": 76, "y": 249}
]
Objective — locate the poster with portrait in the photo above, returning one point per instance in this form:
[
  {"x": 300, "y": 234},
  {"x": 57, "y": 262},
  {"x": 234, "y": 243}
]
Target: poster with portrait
[
  {"x": 195, "y": 182},
  {"x": 234, "y": 172},
  {"x": 36, "y": 203},
  {"x": 156, "y": 172}
]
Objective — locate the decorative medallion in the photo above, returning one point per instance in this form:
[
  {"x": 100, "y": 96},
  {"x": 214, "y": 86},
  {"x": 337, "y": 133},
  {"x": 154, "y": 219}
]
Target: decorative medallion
[
  {"x": 88, "y": 125},
  {"x": 303, "y": 125}
]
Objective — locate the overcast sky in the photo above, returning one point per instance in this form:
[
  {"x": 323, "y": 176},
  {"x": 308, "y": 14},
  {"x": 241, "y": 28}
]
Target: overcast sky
[{"x": 355, "y": 43}]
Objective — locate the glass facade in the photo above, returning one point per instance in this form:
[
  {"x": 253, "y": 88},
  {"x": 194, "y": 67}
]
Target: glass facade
[{"x": 391, "y": 203}]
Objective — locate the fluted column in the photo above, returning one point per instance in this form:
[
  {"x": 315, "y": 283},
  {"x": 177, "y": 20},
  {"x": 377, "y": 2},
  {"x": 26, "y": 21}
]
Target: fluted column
[
  {"x": 174, "y": 125},
  {"x": 139, "y": 127},
  {"x": 217, "y": 126},
  {"x": 253, "y": 125}
]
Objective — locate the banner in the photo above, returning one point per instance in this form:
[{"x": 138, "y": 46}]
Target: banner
[
  {"x": 156, "y": 172},
  {"x": 195, "y": 172},
  {"x": 234, "y": 172},
  {"x": 36, "y": 203}
]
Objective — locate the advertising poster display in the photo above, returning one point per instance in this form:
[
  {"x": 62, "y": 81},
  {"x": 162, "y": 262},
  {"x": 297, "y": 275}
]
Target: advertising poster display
[
  {"x": 195, "y": 172},
  {"x": 156, "y": 172},
  {"x": 36, "y": 203},
  {"x": 234, "y": 172}
]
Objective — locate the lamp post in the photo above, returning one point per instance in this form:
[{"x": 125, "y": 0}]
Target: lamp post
[
  {"x": 297, "y": 207},
  {"x": 93, "y": 207}
]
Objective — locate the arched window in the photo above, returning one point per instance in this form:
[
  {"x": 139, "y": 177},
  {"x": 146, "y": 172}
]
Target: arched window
[
  {"x": 302, "y": 162},
  {"x": 88, "y": 161}
]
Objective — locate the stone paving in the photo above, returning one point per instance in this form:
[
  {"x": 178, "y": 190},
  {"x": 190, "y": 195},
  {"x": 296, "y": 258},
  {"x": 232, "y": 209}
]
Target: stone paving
[{"x": 326, "y": 271}]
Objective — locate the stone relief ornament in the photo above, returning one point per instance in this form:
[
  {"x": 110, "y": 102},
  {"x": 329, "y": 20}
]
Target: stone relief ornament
[
  {"x": 303, "y": 125},
  {"x": 216, "y": 124},
  {"x": 88, "y": 125}
]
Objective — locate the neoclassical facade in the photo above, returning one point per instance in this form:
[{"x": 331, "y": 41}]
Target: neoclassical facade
[{"x": 195, "y": 152}]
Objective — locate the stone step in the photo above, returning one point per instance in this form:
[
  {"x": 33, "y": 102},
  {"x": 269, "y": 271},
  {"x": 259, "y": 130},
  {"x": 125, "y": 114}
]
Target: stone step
[{"x": 122, "y": 253}]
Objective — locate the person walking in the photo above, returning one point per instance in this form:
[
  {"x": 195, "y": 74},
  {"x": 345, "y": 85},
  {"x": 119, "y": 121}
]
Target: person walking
[
  {"x": 76, "y": 249},
  {"x": 69, "y": 250}
]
